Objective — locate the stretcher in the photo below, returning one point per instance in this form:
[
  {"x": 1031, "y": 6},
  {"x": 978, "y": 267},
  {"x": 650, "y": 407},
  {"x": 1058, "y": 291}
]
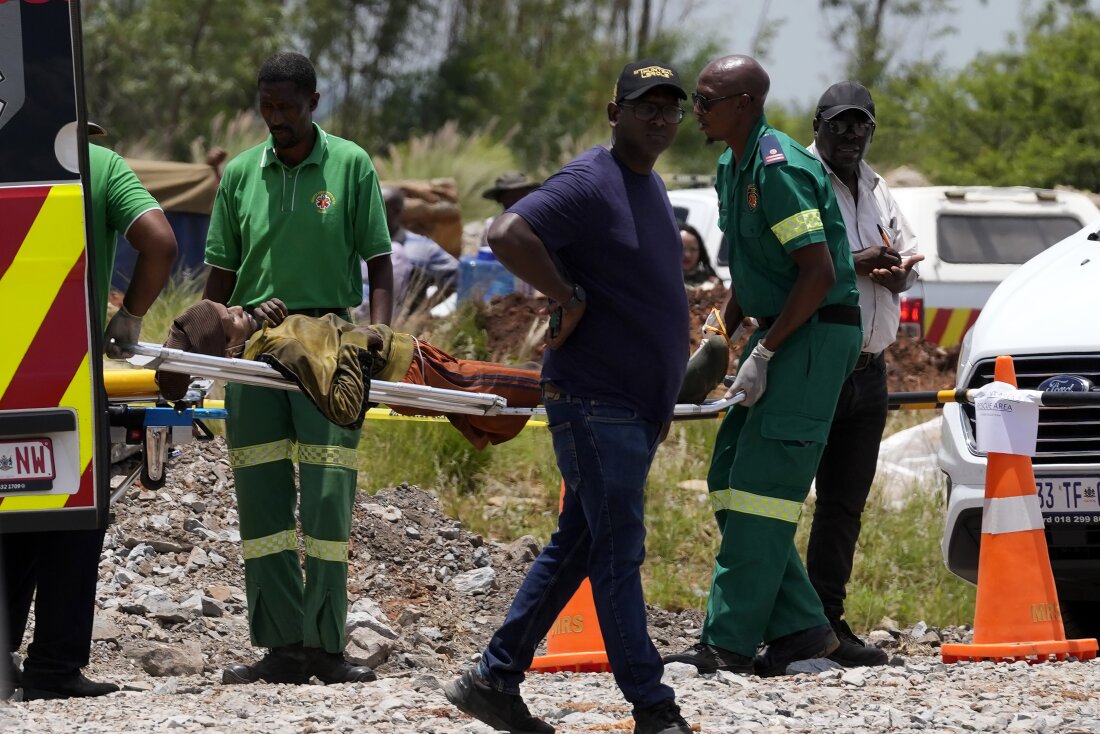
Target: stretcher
[
  {"x": 154, "y": 426},
  {"x": 440, "y": 400}
]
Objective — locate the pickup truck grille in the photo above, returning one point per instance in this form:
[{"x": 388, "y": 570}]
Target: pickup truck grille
[{"x": 1067, "y": 435}]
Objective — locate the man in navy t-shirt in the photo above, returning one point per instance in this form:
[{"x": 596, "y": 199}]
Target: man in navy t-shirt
[{"x": 599, "y": 238}]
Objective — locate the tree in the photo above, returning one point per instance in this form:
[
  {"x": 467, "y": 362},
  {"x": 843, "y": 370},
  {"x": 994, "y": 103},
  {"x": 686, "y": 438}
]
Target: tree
[
  {"x": 858, "y": 29},
  {"x": 360, "y": 48},
  {"x": 1023, "y": 117},
  {"x": 541, "y": 70},
  {"x": 159, "y": 72}
]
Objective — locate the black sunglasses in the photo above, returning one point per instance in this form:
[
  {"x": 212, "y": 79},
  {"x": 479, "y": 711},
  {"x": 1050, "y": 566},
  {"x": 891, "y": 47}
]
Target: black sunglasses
[
  {"x": 841, "y": 127},
  {"x": 646, "y": 111},
  {"x": 704, "y": 103}
]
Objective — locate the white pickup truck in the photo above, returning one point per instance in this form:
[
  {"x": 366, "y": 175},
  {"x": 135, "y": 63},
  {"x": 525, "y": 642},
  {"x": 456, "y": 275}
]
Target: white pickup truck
[
  {"x": 1044, "y": 316},
  {"x": 972, "y": 238}
]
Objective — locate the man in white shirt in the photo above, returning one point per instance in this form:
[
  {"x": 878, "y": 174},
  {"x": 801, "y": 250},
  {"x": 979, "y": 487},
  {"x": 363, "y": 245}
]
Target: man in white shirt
[{"x": 884, "y": 251}]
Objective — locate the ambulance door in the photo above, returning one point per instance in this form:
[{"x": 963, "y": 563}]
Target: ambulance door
[{"x": 53, "y": 428}]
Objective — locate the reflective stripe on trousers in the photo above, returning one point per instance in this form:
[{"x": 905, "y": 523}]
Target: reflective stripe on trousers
[
  {"x": 737, "y": 500},
  {"x": 338, "y": 456}
]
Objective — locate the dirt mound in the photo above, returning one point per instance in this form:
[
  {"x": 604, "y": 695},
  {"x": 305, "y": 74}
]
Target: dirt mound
[
  {"x": 513, "y": 328},
  {"x": 914, "y": 364}
]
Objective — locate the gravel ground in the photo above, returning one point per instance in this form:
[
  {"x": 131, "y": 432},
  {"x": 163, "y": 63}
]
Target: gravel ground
[
  {"x": 920, "y": 694},
  {"x": 426, "y": 594}
]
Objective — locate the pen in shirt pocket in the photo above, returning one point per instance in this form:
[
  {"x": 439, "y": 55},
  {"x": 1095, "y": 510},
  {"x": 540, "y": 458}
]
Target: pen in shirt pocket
[{"x": 885, "y": 237}]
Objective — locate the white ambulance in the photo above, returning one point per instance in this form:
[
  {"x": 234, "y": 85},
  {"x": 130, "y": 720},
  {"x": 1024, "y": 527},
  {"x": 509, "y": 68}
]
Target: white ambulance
[{"x": 54, "y": 444}]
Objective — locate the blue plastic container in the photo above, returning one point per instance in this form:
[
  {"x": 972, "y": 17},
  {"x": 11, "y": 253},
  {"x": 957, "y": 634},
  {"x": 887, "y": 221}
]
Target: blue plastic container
[{"x": 482, "y": 276}]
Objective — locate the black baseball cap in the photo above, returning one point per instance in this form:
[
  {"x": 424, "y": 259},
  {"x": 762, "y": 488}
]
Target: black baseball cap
[
  {"x": 638, "y": 77},
  {"x": 844, "y": 96}
]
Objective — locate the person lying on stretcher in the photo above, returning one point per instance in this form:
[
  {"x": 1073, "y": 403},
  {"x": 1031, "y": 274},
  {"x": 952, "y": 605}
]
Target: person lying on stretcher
[{"x": 333, "y": 361}]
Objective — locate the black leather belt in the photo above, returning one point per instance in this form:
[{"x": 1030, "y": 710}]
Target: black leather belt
[
  {"x": 341, "y": 311},
  {"x": 865, "y": 360},
  {"x": 836, "y": 313}
]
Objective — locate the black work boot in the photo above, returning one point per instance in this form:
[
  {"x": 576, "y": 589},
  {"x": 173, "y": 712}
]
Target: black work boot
[
  {"x": 815, "y": 642},
  {"x": 502, "y": 711},
  {"x": 284, "y": 664},
  {"x": 711, "y": 659},
  {"x": 73, "y": 685},
  {"x": 661, "y": 718},
  {"x": 333, "y": 667},
  {"x": 854, "y": 652}
]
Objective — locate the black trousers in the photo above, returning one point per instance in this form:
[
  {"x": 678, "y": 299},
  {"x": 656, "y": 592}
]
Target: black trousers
[
  {"x": 63, "y": 567},
  {"x": 843, "y": 482}
]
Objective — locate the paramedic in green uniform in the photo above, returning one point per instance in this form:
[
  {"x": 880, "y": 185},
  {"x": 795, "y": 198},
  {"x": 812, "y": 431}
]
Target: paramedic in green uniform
[
  {"x": 292, "y": 220},
  {"x": 791, "y": 269}
]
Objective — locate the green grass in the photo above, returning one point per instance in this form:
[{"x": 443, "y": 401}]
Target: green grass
[
  {"x": 473, "y": 160},
  {"x": 182, "y": 291},
  {"x": 511, "y": 490}
]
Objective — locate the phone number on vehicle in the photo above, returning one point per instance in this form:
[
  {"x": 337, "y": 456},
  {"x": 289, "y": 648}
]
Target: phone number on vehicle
[{"x": 1071, "y": 519}]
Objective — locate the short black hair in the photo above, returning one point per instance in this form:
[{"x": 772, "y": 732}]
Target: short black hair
[{"x": 288, "y": 66}]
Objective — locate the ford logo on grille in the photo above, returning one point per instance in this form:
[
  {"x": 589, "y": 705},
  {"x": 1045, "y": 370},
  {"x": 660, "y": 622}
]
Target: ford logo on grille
[{"x": 1065, "y": 383}]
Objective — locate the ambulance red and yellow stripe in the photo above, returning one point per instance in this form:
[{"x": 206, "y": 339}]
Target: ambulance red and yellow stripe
[
  {"x": 44, "y": 362},
  {"x": 946, "y": 326}
]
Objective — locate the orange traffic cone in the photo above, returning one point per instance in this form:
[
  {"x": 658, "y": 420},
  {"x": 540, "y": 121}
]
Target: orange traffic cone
[
  {"x": 575, "y": 642},
  {"x": 1016, "y": 614}
]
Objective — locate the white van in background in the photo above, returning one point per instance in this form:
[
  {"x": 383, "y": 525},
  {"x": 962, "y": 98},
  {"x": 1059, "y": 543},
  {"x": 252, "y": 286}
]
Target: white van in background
[
  {"x": 972, "y": 238},
  {"x": 699, "y": 208}
]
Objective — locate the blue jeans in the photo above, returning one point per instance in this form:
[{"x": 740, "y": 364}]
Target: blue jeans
[{"x": 603, "y": 452}]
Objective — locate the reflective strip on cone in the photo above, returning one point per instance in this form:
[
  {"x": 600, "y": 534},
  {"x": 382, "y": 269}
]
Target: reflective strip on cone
[{"x": 1011, "y": 515}]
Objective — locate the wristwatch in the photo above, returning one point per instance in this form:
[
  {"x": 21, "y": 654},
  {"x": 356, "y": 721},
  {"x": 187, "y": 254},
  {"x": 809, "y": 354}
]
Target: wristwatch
[{"x": 576, "y": 299}]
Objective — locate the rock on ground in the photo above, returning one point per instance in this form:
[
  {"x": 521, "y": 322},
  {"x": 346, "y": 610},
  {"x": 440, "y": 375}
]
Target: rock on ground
[{"x": 171, "y": 615}]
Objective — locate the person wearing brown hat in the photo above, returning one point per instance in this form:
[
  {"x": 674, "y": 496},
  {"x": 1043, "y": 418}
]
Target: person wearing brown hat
[
  {"x": 600, "y": 240},
  {"x": 59, "y": 569},
  {"x": 510, "y": 187},
  {"x": 884, "y": 252}
]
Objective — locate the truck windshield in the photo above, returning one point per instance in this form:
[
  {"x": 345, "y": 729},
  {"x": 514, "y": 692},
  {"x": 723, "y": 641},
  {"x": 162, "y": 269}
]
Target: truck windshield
[{"x": 992, "y": 238}]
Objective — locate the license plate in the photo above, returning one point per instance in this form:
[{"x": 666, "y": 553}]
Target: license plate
[
  {"x": 1068, "y": 500},
  {"x": 26, "y": 465}
]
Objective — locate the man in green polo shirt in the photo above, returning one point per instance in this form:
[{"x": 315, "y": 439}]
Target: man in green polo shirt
[
  {"x": 292, "y": 220},
  {"x": 791, "y": 269}
]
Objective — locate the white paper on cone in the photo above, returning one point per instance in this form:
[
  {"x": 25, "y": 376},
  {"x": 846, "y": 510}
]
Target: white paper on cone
[{"x": 1008, "y": 419}]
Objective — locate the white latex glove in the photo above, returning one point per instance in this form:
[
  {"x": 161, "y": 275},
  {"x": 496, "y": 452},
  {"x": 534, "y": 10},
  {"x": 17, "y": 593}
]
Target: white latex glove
[
  {"x": 124, "y": 328},
  {"x": 752, "y": 375}
]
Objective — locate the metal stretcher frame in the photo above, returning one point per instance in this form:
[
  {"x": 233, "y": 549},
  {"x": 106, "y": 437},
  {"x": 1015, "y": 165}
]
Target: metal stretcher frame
[{"x": 435, "y": 399}]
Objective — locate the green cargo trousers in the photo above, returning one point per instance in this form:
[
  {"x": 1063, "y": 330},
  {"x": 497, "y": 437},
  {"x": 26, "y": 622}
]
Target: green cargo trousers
[
  {"x": 765, "y": 458},
  {"x": 268, "y": 431}
]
